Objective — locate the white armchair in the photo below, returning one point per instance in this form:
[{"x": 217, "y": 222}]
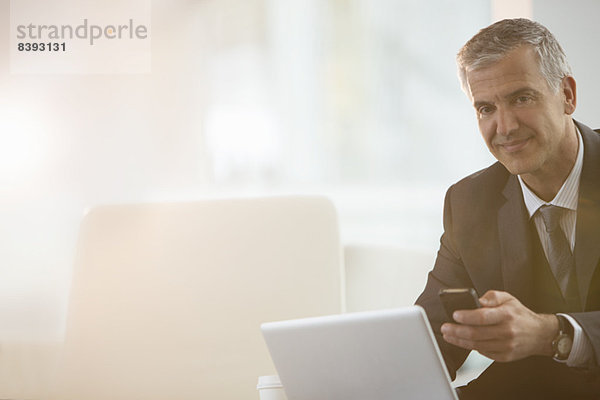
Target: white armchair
[{"x": 167, "y": 299}]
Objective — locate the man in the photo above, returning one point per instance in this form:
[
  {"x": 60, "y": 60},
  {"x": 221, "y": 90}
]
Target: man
[{"x": 525, "y": 232}]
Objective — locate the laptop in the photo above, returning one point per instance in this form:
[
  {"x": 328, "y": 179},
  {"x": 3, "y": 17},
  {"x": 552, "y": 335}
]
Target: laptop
[{"x": 373, "y": 355}]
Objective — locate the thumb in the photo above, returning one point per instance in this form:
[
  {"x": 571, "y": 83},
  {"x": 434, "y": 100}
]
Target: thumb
[{"x": 494, "y": 298}]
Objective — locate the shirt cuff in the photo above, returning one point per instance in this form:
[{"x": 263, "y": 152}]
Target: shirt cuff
[{"x": 582, "y": 350}]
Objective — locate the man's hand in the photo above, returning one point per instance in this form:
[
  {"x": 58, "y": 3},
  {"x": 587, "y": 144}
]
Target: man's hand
[{"x": 503, "y": 329}]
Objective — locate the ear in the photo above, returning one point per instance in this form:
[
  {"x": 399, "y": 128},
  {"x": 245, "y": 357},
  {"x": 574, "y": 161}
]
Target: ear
[{"x": 569, "y": 91}]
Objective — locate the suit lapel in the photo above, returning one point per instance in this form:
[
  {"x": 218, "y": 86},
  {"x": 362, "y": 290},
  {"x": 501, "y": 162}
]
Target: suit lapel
[
  {"x": 516, "y": 246},
  {"x": 587, "y": 239}
]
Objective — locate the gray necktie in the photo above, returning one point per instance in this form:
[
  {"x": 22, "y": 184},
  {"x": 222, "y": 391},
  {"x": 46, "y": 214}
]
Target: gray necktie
[{"x": 560, "y": 257}]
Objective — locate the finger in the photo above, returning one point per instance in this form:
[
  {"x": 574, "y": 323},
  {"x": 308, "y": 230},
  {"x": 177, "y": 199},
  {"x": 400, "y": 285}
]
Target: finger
[
  {"x": 496, "y": 347},
  {"x": 480, "y": 316},
  {"x": 494, "y": 298},
  {"x": 501, "y": 356},
  {"x": 463, "y": 343},
  {"x": 499, "y": 349},
  {"x": 477, "y": 333},
  {"x": 496, "y": 356}
]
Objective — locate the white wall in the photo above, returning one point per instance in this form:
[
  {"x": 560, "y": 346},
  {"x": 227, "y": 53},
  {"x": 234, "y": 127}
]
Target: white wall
[
  {"x": 575, "y": 25},
  {"x": 353, "y": 99},
  {"x": 245, "y": 97}
]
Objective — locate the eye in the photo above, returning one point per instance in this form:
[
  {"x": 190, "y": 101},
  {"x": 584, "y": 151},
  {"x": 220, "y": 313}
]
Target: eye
[
  {"x": 524, "y": 100},
  {"x": 485, "y": 110}
]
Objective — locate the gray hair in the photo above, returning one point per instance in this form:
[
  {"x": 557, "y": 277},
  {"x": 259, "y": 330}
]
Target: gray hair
[{"x": 491, "y": 44}]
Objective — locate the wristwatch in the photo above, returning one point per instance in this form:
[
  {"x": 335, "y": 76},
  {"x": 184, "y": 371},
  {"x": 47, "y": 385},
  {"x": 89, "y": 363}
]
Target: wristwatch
[{"x": 563, "y": 342}]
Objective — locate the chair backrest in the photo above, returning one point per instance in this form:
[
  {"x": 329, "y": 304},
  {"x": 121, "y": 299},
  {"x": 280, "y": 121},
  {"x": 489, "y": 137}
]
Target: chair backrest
[{"x": 167, "y": 299}]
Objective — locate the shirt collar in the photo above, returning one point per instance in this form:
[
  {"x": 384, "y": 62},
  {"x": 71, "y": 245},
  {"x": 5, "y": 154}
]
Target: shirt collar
[{"x": 569, "y": 192}]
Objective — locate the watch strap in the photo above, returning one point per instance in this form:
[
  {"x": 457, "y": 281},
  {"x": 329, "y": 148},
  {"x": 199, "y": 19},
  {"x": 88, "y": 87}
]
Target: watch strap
[
  {"x": 565, "y": 334},
  {"x": 565, "y": 326}
]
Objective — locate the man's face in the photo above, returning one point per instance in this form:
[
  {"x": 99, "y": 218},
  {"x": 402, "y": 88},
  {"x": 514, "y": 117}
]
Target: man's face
[{"x": 522, "y": 120}]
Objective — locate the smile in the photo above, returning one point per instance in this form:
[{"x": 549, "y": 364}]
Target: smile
[{"x": 514, "y": 146}]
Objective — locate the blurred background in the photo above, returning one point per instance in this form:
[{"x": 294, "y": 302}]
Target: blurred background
[{"x": 357, "y": 100}]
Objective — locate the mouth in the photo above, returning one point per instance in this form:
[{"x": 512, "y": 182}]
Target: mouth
[{"x": 514, "y": 145}]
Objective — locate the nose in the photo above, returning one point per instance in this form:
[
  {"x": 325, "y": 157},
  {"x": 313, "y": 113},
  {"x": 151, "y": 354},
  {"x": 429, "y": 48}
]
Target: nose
[{"x": 506, "y": 121}]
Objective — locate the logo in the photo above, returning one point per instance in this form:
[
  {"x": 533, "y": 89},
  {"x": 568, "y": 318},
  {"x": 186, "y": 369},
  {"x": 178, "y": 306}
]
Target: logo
[
  {"x": 33, "y": 32},
  {"x": 70, "y": 36}
]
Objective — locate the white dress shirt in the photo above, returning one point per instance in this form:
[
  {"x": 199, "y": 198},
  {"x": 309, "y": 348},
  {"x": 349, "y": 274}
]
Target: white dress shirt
[{"x": 567, "y": 197}]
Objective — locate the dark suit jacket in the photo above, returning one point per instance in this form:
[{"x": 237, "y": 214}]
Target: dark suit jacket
[{"x": 488, "y": 244}]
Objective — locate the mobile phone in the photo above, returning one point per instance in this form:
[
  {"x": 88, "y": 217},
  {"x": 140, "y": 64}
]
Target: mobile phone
[{"x": 459, "y": 299}]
